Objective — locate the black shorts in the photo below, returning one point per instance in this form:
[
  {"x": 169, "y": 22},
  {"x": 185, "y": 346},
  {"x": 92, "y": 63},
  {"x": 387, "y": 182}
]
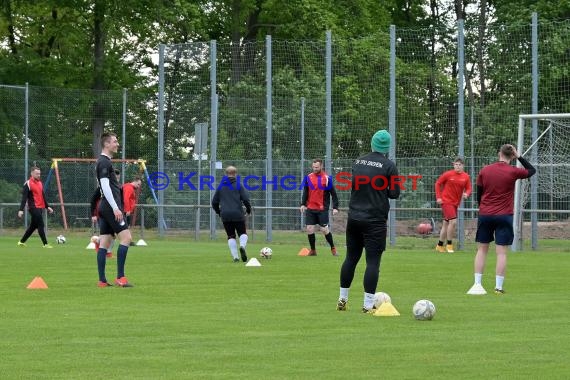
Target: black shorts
[
  {"x": 370, "y": 236},
  {"x": 501, "y": 226},
  {"x": 313, "y": 217},
  {"x": 234, "y": 227},
  {"x": 108, "y": 225}
]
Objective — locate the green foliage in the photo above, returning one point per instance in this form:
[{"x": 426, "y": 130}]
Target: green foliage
[
  {"x": 515, "y": 11},
  {"x": 52, "y": 45},
  {"x": 11, "y": 192}
]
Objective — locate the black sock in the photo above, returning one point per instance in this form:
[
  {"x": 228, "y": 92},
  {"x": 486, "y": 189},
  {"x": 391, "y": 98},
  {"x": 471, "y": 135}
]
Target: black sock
[
  {"x": 312, "y": 241},
  {"x": 449, "y": 242},
  {"x": 440, "y": 243},
  {"x": 101, "y": 259},
  {"x": 330, "y": 239},
  {"x": 121, "y": 259}
]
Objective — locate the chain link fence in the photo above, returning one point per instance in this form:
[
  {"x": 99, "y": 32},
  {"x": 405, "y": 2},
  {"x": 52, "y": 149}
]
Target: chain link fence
[{"x": 270, "y": 107}]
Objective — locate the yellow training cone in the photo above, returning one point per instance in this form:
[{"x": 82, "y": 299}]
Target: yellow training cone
[{"x": 386, "y": 310}]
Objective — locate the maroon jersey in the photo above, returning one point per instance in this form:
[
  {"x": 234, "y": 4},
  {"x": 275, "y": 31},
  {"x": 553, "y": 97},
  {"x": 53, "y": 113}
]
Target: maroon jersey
[{"x": 498, "y": 183}]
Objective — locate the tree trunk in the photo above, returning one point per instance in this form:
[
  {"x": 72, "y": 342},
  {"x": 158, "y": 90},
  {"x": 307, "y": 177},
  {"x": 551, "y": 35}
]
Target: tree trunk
[
  {"x": 250, "y": 38},
  {"x": 11, "y": 31},
  {"x": 236, "y": 41},
  {"x": 98, "y": 75},
  {"x": 459, "y": 10}
]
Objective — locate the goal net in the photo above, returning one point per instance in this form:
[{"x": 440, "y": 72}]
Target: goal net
[
  {"x": 543, "y": 141},
  {"x": 72, "y": 182}
]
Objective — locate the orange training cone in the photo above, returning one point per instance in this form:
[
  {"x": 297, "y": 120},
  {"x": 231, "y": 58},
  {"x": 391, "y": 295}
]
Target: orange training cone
[
  {"x": 37, "y": 283},
  {"x": 303, "y": 252}
]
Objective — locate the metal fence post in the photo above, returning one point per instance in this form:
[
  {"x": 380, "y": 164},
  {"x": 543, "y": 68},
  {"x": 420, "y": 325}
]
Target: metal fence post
[
  {"x": 328, "y": 109},
  {"x": 302, "y": 163},
  {"x": 214, "y": 126},
  {"x": 269, "y": 139},
  {"x": 197, "y": 224},
  {"x": 124, "y": 138},
  {"x": 392, "y": 127},
  {"x": 460, "y": 119},
  {"x": 161, "y": 136},
  {"x": 534, "y": 135},
  {"x": 142, "y": 223},
  {"x": 27, "y": 139}
]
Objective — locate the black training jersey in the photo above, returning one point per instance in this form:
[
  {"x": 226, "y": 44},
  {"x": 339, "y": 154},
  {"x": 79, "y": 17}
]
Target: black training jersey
[
  {"x": 104, "y": 169},
  {"x": 228, "y": 200},
  {"x": 373, "y": 183}
]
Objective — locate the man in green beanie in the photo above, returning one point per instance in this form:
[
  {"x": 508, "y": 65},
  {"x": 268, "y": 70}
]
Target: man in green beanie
[{"x": 367, "y": 217}]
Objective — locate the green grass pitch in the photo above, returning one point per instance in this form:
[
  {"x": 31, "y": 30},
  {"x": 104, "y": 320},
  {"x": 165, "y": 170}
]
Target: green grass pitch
[{"x": 193, "y": 314}]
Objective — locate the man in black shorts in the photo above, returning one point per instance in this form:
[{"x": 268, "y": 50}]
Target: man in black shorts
[
  {"x": 495, "y": 194},
  {"x": 94, "y": 207},
  {"x": 111, "y": 220},
  {"x": 318, "y": 190},
  {"x": 228, "y": 202}
]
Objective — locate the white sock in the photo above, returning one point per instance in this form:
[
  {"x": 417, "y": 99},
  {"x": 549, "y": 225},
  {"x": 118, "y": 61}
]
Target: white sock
[
  {"x": 478, "y": 277},
  {"x": 368, "y": 300},
  {"x": 233, "y": 248},
  {"x": 343, "y": 293},
  {"x": 243, "y": 240},
  {"x": 499, "y": 282}
]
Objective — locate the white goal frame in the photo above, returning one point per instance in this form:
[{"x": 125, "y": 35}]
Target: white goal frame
[{"x": 517, "y": 217}]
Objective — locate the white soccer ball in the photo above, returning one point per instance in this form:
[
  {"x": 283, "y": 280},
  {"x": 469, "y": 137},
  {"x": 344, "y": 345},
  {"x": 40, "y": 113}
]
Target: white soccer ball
[
  {"x": 424, "y": 310},
  {"x": 266, "y": 252},
  {"x": 95, "y": 239},
  {"x": 60, "y": 239},
  {"x": 380, "y": 298}
]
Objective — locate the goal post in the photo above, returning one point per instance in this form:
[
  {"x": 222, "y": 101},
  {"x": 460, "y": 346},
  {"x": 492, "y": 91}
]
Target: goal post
[
  {"x": 55, "y": 171},
  {"x": 543, "y": 141}
]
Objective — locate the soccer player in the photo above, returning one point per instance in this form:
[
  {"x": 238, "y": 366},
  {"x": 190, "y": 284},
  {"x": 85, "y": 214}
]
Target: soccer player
[
  {"x": 33, "y": 194},
  {"x": 111, "y": 221},
  {"x": 450, "y": 188},
  {"x": 130, "y": 197},
  {"x": 318, "y": 190},
  {"x": 495, "y": 195},
  {"x": 367, "y": 215},
  {"x": 227, "y": 203},
  {"x": 94, "y": 204}
]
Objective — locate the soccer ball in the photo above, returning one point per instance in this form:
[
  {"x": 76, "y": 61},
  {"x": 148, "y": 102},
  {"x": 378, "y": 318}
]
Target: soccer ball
[
  {"x": 95, "y": 239},
  {"x": 424, "y": 310},
  {"x": 380, "y": 298},
  {"x": 60, "y": 239},
  {"x": 266, "y": 252},
  {"x": 424, "y": 228}
]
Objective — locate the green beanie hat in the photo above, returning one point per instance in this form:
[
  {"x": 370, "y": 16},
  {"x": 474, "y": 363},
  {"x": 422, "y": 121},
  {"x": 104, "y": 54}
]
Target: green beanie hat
[{"x": 381, "y": 141}]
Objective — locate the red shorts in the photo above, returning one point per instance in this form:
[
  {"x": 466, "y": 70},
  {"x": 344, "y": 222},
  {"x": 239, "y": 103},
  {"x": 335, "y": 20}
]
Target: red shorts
[{"x": 449, "y": 211}]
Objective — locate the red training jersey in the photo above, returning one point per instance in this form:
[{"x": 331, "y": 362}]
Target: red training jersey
[
  {"x": 129, "y": 197},
  {"x": 33, "y": 195},
  {"x": 451, "y": 185},
  {"x": 498, "y": 183},
  {"x": 316, "y": 198}
]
